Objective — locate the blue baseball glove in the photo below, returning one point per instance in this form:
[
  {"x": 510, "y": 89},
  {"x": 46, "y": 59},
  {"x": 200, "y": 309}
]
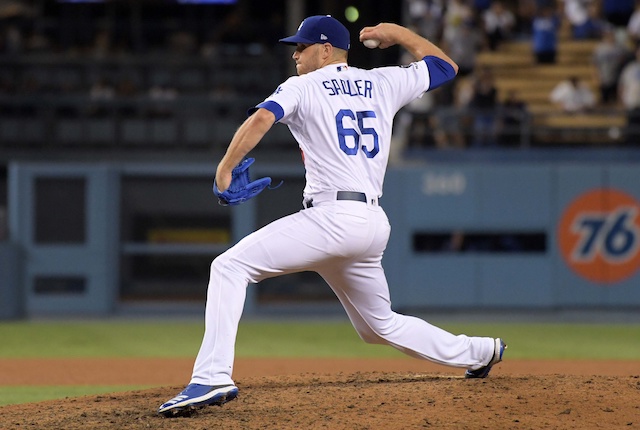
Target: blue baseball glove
[{"x": 241, "y": 188}]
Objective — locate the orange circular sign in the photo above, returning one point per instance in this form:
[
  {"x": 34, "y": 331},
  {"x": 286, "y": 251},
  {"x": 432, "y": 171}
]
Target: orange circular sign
[{"x": 599, "y": 235}]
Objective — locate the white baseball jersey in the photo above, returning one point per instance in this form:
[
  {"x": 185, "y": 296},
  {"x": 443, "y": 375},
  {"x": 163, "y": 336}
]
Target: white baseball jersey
[{"x": 342, "y": 118}]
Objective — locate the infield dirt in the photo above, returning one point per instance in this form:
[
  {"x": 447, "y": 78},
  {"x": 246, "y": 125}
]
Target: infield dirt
[{"x": 337, "y": 394}]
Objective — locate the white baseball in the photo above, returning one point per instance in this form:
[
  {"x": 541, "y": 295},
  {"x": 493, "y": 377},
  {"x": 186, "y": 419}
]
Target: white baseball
[{"x": 371, "y": 43}]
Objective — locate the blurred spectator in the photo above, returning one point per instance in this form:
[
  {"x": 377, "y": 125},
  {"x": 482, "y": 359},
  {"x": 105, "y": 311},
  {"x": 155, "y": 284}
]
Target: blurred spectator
[
  {"x": 498, "y": 24},
  {"x": 525, "y": 13},
  {"x": 545, "y": 35},
  {"x": 463, "y": 46},
  {"x": 126, "y": 88},
  {"x": 629, "y": 93},
  {"x": 540, "y": 4},
  {"x": 272, "y": 29},
  {"x": 576, "y": 13},
  {"x": 102, "y": 90},
  {"x": 162, "y": 98},
  {"x": 483, "y": 108},
  {"x": 30, "y": 87},
  {"x": 514, "y": 119},
  {"x": 223, "y": 93},
  {"x": 455, "y": 242},
  {"x": 593, "y": 26},
  {"x": 76, "y": 28},
  {"x": 573, "y": 95},
  {"x": 7, "y": 88},
  {"x": 449, "y": 121},
  {"x": 617, "y": 12},
  {"x": 38, "y": 42},
  {"x": 426, "y": 16},
  {"x": 101, "y": 45},
  {"x": 67, "y": 106},
  {"x": 633, "y": 26},
  {"x": 480, "y": 6},
  {"x": 6, "y": 85},
  {"x": 101, "y": 93},
  {"x": 11, "y": 40},
  {"x": 126, "y": 92},
  {"x": 414, "y": 121},
  {"x": 416, "y": 118},
  {"x": 457, "y": 15},
  {"x": 608, "y": 56},
  {"x": 448, "y": 127},
  {"x": 460, "y": 241},
  {"x": 182, "y": 43},
  {"x": 234, "y": 33}
]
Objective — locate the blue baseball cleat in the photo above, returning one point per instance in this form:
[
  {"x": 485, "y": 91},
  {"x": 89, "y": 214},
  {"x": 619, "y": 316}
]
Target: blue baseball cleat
[
  {"x": 483, "y": 372},
  {"x": 197, "y": 396}
]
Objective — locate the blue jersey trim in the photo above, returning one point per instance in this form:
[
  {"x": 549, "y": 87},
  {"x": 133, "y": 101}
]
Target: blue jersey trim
[
  {"x": 440, "y": 71},
  {"x": 271, "y": 106}
]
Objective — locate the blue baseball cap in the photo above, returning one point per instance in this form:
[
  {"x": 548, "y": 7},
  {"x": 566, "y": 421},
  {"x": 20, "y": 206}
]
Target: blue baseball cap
[{"x": 321, "y": 29}]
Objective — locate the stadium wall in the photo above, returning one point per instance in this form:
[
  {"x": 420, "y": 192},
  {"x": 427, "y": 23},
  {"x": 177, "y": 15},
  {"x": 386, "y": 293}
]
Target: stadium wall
[{"x": 536, "y": 235}]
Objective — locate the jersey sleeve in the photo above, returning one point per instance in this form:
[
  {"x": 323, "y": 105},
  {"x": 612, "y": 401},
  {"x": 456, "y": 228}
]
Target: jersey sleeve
[
  {"x": 284, "y": 101},
  {"x": 403, "y": 84},
  {"x": 440, "y": 71}
]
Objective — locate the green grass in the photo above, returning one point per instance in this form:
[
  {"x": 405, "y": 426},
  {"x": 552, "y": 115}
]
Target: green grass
[
  {"x": 99, "y": 339},
  {"x": 530, "y": 341},
  {"x": 563, "y": 341},
  {"x": 29, "y": 394},
  {"x": 299, "y": 339},
  {"x": 279, "y": 339}
]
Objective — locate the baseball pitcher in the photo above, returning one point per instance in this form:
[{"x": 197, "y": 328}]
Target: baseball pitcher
[{"x": 341, "y": 116}]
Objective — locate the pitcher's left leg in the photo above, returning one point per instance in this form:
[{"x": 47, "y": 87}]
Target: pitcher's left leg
[{"x": 363, "y": 291}]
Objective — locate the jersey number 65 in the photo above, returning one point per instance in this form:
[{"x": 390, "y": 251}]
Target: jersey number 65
[{"x": 343, "y": 132}]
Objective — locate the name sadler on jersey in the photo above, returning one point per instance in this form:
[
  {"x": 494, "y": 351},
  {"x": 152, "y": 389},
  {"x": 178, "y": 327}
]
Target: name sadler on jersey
[{"x": 338, "y": 87}]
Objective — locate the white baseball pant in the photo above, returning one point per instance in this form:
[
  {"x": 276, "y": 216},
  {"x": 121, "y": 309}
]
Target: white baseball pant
[{"x": 343, "y": 241}]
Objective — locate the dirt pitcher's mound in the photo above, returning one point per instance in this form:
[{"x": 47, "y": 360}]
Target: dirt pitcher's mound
[{"x": 363, "y": 400}]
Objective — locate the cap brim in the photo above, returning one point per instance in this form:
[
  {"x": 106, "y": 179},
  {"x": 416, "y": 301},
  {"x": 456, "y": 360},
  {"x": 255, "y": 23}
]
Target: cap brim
[{"x": 295, "y": 39}]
